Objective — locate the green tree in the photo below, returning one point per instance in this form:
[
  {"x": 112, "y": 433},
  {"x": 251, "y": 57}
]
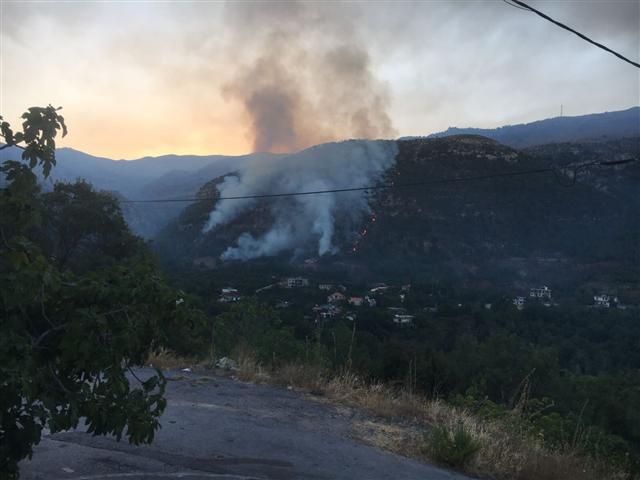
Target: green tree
[
  {"x": 69, "y": 339},
  {"x": 82, "y": 228}
]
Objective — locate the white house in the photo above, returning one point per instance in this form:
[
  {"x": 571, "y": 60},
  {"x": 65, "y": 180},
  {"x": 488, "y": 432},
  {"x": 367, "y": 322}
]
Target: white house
[
  {"x": 519, "y": 302},
  {"x": 370, "y": 301},
  {"x": 402, "y": 319},
  {"x": 229, "y": 295},
  {"x": 541, "y": 292},
  {"x": 604, "y": 300},
  {"x": 296, "y": 282}
]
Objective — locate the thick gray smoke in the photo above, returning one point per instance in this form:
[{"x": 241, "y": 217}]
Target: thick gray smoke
[
  {"x": 306, "y": 77},
  {"x": 303, "y": 219}
]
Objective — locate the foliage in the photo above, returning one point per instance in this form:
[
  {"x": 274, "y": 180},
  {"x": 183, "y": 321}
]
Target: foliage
[
  {"x": 69, "y": 336},
  {"x": 451, "y": 446}
]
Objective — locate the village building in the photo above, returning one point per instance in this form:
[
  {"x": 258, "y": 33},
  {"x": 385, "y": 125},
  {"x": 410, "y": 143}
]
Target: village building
[
  {"x": 370, "y": 301},
  {"x": 379, "y": 288},
  {"x": 519, "y": 302},
  {"x": 541, "y": 292},
  {"x": 326, "y": 311},
  {"x": 402, "y": 319},
  {"x": 325, "y": 286},
  {"x": 336, "y": 297},
  {"x": 296, "y": 282},
  {"x": 356, "y": 301},
  {"x": 604, "y": 301},
  {"x": 229, "y": 295}
]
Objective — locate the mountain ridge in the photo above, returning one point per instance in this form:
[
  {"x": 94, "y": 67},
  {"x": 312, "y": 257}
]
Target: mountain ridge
[{"x": 616, "y": 124}]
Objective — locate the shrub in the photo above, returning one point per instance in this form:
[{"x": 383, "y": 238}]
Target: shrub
[{"x": 453, "y": 447}]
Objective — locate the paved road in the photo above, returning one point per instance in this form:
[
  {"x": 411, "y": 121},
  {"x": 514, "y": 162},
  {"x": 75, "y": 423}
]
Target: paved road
[{"x": 218, "y": 428}]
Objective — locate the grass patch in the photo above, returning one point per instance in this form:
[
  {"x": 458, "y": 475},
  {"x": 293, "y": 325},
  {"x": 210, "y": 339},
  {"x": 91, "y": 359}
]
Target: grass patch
[
  {"x": 451, "y": 436},
  {"x": 451, "y": 447},
  {"x": 166, "y": 360}
]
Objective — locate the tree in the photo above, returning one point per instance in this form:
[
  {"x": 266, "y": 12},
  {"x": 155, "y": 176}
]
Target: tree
[
  {"x": 69, "y": 339},
  {"x": 82, "y": 228}
]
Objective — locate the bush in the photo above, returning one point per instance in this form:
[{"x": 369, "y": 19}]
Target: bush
[{"x": 453, "y": 447}]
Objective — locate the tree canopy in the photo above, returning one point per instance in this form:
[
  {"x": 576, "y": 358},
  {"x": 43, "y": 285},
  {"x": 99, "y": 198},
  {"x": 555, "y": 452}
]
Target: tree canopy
[{"x": 82, "y": 303}]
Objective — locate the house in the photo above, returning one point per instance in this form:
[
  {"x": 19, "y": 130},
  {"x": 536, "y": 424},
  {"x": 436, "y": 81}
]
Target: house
[
  {"x": 519, "y": 302},
  {"x": 356, "y": 301},
  {"x": 336, "y": 297},
  {"x": 402, "y": 319},
  {"x": 229, "y": 295},
  {"x": 379, "y": 288},
  {"x": 326, "y": 311},
  {"x": 325, "y": 286},
  {"x": 296, "y": 282},
  {"x": 370, "y": 301},
  {"x": 541, "y": 292},
  {"x": 604, "y": 300}
]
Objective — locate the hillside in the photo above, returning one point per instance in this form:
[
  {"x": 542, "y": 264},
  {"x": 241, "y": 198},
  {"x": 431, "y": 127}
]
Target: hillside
[
  {"x": 502, "y": 231},
  {"x": 594, "y": 127},
  {"x": 167, "y": 176}
]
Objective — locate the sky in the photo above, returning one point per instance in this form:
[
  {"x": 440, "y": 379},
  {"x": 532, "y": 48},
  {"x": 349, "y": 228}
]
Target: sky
[{"x": 152, "y": 78}]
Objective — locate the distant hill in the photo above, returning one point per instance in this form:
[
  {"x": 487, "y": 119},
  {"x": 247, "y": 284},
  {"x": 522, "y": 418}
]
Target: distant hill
[
  {"x": 167, "y": 176},
  {"x": 597, "y": 126}
]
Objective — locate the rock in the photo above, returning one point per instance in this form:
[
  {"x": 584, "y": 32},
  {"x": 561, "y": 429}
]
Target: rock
[{"x": 227, "y": 364}]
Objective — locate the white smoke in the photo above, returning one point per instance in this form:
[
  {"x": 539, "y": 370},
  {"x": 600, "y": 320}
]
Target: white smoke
[{"x": 302, "y": 219}]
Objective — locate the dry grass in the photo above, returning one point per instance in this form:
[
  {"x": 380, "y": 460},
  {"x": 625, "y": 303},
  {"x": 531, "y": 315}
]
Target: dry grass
[
  {"x": 506, "y": 453},
  {"x": 166, "y": 360}
]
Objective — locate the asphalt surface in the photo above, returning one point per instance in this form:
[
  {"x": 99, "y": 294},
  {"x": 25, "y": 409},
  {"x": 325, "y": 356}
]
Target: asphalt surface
[{"x": 218, "y": 428}]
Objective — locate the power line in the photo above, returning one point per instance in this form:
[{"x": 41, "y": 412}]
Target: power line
[
  {"x": 514, "y": 6},
  {"x": 562, "y": 25},
  {"x": 388, "y": 186}
]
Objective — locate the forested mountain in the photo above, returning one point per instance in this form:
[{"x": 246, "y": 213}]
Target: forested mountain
[
  {"x": 596, "y": 127},
  {"x": 181, "y": 176},
  {"x": 518, "y": 230}
]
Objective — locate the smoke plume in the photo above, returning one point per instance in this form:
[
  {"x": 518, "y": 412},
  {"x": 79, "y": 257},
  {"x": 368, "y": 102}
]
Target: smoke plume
[
  {"x": 306, "y": 77},
  {"x": 302, "y": 221}
]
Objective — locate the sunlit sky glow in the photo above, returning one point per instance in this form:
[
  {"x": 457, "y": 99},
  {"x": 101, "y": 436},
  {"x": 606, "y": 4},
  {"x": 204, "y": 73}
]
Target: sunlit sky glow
[{"x": 148, "y": 78}]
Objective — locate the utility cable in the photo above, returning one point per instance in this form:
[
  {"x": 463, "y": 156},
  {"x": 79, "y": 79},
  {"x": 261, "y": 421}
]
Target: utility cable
[
  {"x": 387, "y": 186},
  {"x": 581, "y": 35}
]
